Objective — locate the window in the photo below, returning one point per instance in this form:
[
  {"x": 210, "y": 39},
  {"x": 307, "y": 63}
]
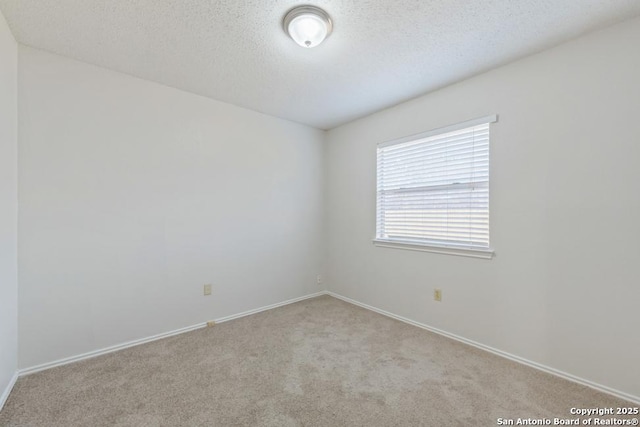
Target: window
[{"x": 433, "y": 190}]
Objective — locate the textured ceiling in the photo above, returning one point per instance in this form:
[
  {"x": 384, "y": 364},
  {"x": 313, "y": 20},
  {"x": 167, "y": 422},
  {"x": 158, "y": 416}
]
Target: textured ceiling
[{"x": 381, "y": 52}]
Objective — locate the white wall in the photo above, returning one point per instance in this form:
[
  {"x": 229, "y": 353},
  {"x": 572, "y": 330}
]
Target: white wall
[
  {"x": 8, "y": 207},
  {"x": 564, "y": 287},
  {"x": 133, "y": 195}
]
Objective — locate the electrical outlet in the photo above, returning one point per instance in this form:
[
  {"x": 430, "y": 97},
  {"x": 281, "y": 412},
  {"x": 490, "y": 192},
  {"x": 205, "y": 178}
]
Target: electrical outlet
[
  {"x": 319, "y": 279},
  {"x": 207, "y": 289},
  {"x": 437, "y": 294}
]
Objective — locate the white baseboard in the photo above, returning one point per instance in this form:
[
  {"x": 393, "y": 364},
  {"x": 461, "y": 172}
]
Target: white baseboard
[
  {"x": 268, "y": 307},
  {"x": 111, "y": 349},
  {"x": 7, "y": 390},
  {"x": 106, "y": 350},
  {"x": 556, "y": 372},
  {"x": 538, "y": 366}
]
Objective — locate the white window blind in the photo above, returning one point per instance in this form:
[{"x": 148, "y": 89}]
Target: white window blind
[{"x": 433, "y": 188}]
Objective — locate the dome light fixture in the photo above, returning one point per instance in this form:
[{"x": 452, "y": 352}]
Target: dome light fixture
[{"x": 307, "y": 25}]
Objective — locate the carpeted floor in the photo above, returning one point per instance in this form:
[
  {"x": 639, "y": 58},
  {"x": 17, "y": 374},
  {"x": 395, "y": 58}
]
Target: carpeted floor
[{"x": 319, "y": 362}]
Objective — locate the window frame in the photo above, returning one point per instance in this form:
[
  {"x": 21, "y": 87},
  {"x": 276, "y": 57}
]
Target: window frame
[{"x": 483, "y": 253}]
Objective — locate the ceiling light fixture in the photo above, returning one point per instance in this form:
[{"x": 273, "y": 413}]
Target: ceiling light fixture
[{"x": 307, "y": 25}]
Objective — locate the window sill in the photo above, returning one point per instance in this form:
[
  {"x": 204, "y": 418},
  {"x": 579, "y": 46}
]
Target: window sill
[{"x": 473, "y": 253}]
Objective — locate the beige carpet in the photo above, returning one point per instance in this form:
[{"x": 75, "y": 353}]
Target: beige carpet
[{"x": 319, "y": 362}]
